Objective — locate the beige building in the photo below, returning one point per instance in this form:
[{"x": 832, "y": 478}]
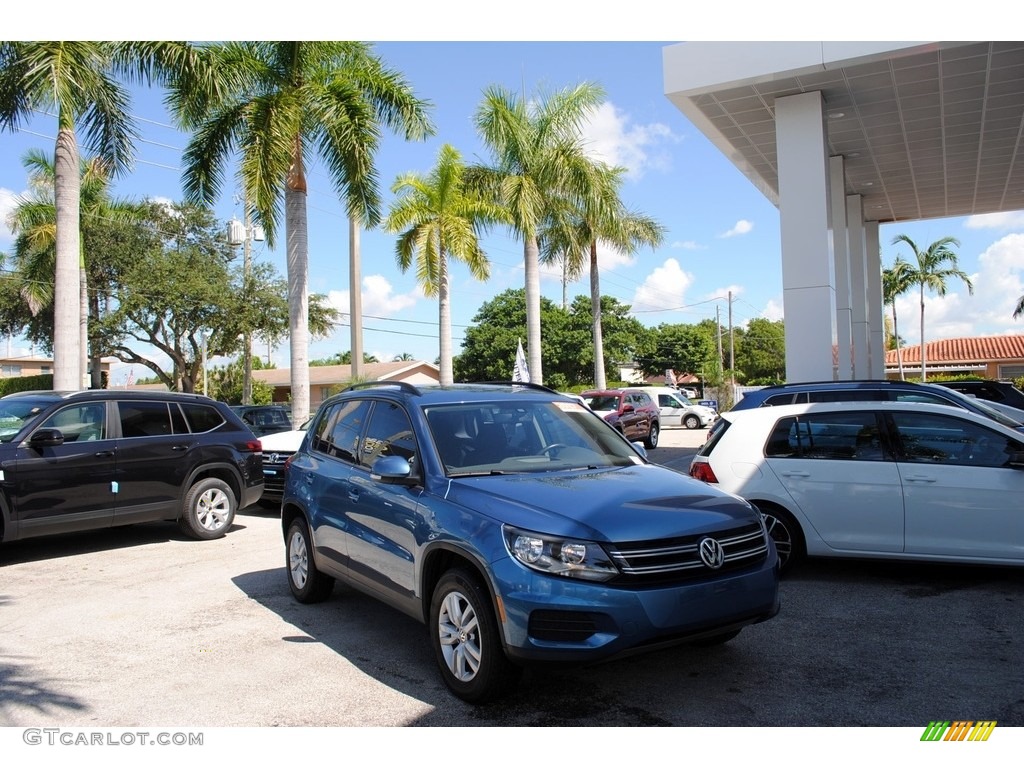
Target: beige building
[
  {"x": 29, "y": 365},
  {"x": 324, "y": 380}
]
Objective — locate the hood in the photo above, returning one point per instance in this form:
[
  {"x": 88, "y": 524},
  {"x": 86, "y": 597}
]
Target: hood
[
  {"x": 282, "y": 441},
  {"x": 622, "y": 504}
]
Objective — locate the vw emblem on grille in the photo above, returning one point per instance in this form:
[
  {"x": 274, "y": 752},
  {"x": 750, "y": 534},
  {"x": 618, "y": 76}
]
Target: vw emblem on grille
[
  {"x": 273, "y": 458},
  {"x": 711, "y": 553}
]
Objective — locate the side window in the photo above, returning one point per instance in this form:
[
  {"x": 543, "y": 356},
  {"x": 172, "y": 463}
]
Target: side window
[
  {"x": 389, "y": 434},
  {"x": 201, "y": 418},
  {"x": 667, "y": 401},
  {"x": 851, "y": 435},
  {"x": 79, "y": 423},
  {"x": 144, "y": 418},
  {"x": 783, "y": 399},
  {"x": 337, "y": 433},
  {"x": 844, "y": 396},
  {"x": 922, "y": 397},
  {"x": 938, "y": 439}
]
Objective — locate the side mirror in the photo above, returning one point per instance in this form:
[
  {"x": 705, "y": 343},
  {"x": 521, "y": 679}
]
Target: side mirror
[
  {"x": 628, "y": 408},
  {"x": 393, "y": 470},
  {"x": 46, "y": 438}
]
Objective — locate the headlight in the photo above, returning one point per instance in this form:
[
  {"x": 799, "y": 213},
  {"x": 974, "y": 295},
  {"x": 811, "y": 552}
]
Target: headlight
[{"x": 559, "y": 556}]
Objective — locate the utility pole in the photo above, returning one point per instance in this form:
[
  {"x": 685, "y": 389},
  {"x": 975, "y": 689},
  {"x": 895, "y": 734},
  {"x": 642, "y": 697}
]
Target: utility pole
[
  {"x": 718, "y": 336},
  {"x": 247, "y": 334},
  {"x": 732, "y": 351}
]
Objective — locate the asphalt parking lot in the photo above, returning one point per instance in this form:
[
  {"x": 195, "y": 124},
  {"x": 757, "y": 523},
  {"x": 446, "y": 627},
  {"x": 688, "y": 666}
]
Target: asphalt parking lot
[{"x": 140, "y": 626}]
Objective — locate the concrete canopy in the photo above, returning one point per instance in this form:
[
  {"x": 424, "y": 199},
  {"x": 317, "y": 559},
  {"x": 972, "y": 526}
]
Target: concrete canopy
[{"x": 927, "y": 130}]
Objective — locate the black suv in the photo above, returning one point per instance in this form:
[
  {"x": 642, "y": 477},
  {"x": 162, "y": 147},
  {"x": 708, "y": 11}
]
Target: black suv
[
  {"x": 264, "y": 419},
  {"x": 995, "y": 391},
  {"x": 73, "y": 461}
]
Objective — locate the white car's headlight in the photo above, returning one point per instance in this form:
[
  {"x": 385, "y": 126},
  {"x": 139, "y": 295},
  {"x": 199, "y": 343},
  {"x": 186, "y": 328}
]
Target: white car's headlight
[{"x": 559, "y": 556}]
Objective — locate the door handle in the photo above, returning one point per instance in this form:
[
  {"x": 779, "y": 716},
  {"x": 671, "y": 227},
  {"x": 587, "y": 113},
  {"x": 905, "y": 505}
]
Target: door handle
[
  {"x": 179, "y": 447},
  {"x": 920, "y": 478},
  {"x": 104, "y": 454},
  {"x": 795, "y": 473}
]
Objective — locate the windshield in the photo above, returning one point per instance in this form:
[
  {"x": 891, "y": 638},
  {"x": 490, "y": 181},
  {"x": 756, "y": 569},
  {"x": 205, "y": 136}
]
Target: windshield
[
  {"x": 16, "y": 413},
  {"x": 602, "y": 402},
  {"x": 517, "y": 437}
]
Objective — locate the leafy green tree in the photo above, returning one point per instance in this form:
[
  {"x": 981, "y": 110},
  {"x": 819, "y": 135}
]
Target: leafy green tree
[
  {"x": 931, "y": 269},
  {"x": 34, "y": 222},
  {"x": 180, "y": 285},
  {"x": 438, "y": 218},
  {"x": 761, "y": 352},
  {"x": 276, "y": 104},
  {"x": 571, "y": 233},
  {"x": 896, "y": 280},
  {"x": 78, "y": 81},
  {"x": 342, "y": 358},
  {"x": 226, "y": 384},
  {"x": 538, "y": 159},
  {"x": 682, "y": 347}
]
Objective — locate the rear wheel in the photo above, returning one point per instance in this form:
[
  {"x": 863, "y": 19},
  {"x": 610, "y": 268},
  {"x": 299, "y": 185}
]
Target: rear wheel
[
  {"x": 651, "y": 441},
  {"x": 691, "y": 422},
  {"x": 307, "y": 582},
  {"x": 785, "y": 532},
  {"x": 465, "y": 637},
  {"x": 209, "y": 509}
]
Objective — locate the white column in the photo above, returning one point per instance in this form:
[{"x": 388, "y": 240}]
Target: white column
[
  {"x": 876, "y": 309},
  {"x": 837, "y": 197},
  {"x": 808, "y": 272},
  {"x": 858, "y": 288}
]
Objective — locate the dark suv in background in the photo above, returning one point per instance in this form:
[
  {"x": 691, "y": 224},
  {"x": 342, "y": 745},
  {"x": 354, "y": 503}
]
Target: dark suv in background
[
  {"x": 74, "y": 461},
  {"x": 264, "y": 419},
  {"x": 868, "y": 390},
  {"x": 1002, "y": 392}
]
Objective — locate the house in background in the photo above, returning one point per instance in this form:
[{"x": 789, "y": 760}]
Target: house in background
[
  {"x": 13, "y": 367},
  {"x": 987, "y": 357},
  {"x": 324, "y": 380}
]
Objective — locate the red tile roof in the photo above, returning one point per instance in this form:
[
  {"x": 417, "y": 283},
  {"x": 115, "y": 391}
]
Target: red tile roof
[{"x": 978, "y": 349}]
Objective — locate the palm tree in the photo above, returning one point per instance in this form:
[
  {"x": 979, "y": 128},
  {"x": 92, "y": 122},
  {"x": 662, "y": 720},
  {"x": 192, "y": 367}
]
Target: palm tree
[
  {"x": 895, "y": 282},
  {"x": 931, "y": 269},
  {"x": 1020, "y": 308},
  {"x": 538, "y": 159},
  {"x": 571, "y": 234},
  {"x": 77, "y": 80},
  {"x": 438, "y": 219},
  {"x": 276, "y": 104}
]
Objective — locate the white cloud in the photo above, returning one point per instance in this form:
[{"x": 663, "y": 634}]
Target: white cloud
[
  {"x": 773, "y": 310},
  {"x": 612, "y": 136},
  {"x": 1006, "y": 220},
  {"x": 741, "y": 227},
  {"x": 688, "y": 245},
  {"x": 378, "y": 298},
  {"x": 664, "y": 289}
]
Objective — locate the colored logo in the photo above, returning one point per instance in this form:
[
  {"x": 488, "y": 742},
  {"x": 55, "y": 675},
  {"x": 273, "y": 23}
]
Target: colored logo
[{"x": 958, "y": 730}]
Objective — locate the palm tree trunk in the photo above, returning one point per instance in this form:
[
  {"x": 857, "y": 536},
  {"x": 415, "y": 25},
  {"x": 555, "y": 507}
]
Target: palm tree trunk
[
  {"x": 896, "y": 335},
  {"x": 444, "y": 319},
  {"x": 595, "y": 314},
  {"x": 67, "y": 374},
  {"x": 298, "y": 287},
  {"x": 924, "y": 356},
  {"x": 531, "y": 258},
  {"x": 355, "y": 298},
  {"x": 94, "y": 347}
]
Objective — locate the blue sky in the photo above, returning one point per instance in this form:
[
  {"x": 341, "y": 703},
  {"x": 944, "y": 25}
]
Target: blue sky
[{"x": 722, "y": 234}]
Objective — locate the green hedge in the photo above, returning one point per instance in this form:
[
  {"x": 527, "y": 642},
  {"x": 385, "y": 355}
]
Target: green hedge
[{"x": 26, "y": 383}]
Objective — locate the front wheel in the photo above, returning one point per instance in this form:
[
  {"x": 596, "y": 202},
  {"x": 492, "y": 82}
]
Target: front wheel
[
  {"x": 691, "y": 422},
  {"x": 651, "y": 441},
  {"x": 464, "y": 634},
  {"x": 209, "y": 509}
]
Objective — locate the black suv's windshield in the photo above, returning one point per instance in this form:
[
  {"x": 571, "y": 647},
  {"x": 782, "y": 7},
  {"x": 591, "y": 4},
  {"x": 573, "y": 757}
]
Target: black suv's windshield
[
  {"x": 498, "y": 438},
  {"x": 17, "y": 412}
]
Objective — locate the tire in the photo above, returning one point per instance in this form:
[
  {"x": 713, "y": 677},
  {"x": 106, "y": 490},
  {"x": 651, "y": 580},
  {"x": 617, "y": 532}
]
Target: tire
[
  {"x": 785, "y": 531},
  {"x": 711, "y": 642},
  {"x": 466, "y": 639},
  {"x": 651, "y": 441},
  {"x": 691, "y": 422},
  {"x": 307, "y": 582},
  {"x": 209, "y": 509}
]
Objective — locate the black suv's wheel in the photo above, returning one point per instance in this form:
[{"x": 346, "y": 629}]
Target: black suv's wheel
[
  {"x": 651, "y": 441},
  {"x": 209, "y": 509},
  {"x": 464, "y": 634},
  {"x": 307, "y": 582},
  {"x": 691, "y": 422}
]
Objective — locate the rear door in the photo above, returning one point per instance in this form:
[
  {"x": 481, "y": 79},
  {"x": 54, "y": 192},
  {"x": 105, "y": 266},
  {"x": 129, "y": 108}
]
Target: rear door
[
  {"x": 961, "y": 496},
  {"x": 839, "y": 470}
]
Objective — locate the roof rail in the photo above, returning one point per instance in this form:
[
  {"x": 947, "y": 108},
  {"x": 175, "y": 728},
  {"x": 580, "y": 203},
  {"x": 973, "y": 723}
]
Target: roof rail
[
  {"x": 402, "y": 385},
  {"x": 528, "y": 384}
]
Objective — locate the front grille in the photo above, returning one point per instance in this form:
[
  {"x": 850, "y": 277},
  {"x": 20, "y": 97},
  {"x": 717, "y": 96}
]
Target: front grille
[
  {"x": 273, "y": 472},
  {"x": 678, "y": 559}
]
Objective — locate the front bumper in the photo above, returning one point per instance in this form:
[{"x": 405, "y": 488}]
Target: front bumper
[{"x": 556, "y": 619}]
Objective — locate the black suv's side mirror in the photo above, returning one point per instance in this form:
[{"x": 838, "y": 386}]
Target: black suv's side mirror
[{"x": 46, "y": 438}]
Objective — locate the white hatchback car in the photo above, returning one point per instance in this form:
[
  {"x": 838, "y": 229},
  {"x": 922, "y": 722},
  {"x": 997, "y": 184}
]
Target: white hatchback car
[
  {"x": 874, "y": 479},
  {"x": 677, "y": 410}
]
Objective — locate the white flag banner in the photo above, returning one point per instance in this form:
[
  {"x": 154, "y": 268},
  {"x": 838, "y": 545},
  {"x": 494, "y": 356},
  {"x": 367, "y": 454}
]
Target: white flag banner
[{"x": 520, "y": 371}]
